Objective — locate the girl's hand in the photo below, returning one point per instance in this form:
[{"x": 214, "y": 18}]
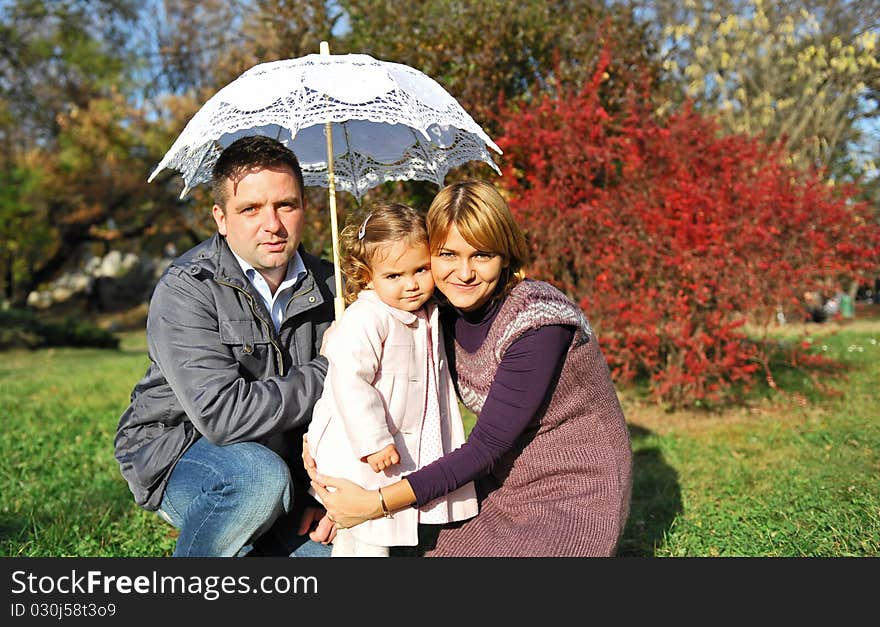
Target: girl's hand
[
  {"x": 347, "y": 503},
  {"x": 380, "y": 460}
]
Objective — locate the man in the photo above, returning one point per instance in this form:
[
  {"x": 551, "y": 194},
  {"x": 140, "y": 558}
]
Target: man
[{"x": 213, "y": 435}]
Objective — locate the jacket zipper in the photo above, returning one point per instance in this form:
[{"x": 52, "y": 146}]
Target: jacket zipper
[{"x": 260, "y": 318}]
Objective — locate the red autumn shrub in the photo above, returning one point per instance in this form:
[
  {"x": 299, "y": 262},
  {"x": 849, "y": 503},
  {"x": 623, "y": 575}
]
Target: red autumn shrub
[{"x": 671, "y": 237}]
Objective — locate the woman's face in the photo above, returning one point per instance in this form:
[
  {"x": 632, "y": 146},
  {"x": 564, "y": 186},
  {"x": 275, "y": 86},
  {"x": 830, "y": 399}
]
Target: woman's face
[{"x": 466, "y": 276}]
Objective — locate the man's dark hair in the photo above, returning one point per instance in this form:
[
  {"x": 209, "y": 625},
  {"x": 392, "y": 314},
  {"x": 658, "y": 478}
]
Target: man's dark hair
[{"x": 255, "y": 152}]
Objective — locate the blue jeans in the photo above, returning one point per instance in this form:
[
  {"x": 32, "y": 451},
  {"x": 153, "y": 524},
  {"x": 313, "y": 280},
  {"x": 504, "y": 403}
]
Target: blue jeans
[{"x": 235, "y": 500}]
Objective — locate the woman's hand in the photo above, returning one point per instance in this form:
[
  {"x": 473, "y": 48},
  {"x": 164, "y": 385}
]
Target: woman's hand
[
  {"x": 308, "y": 461},
  {"x": 347, "y": 504}
]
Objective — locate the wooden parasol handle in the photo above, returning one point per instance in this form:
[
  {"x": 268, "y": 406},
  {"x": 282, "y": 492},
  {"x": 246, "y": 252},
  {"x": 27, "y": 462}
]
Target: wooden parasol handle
[{"x": 339, "y": 301}]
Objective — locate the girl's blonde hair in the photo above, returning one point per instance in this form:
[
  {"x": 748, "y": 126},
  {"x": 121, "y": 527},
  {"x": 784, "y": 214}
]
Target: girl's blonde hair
[
  {"x": 484, "y": 220},
  {"x": 358, "y": 242}
]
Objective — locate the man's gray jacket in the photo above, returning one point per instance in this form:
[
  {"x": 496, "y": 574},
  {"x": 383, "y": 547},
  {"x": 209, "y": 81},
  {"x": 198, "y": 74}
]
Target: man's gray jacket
[{"x": 220, "y": 370}]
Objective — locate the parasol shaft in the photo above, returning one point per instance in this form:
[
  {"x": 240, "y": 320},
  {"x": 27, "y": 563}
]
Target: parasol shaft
[{"x": 339, "y": 301}]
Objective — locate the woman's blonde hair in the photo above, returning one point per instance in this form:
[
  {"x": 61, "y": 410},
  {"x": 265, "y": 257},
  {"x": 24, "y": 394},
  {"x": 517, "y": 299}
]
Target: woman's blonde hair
[
  {"x": 484, "y": 220},
  {"x": 358, "y": 242}
]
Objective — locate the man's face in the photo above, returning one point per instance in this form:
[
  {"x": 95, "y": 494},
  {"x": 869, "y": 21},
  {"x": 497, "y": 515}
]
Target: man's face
[{"x": 263, "y": 219}]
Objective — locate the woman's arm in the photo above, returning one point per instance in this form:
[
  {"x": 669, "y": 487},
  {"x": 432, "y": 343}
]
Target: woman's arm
[
  {"x": 527, "y": 373},
  {"x": 526, "y": 376}
]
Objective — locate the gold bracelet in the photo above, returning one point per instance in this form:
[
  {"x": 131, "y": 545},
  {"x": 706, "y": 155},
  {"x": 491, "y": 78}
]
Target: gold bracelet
[{"x": 385, "y": 511}]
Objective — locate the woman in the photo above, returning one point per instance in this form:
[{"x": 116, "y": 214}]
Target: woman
[{"x": 550, "y": 452}]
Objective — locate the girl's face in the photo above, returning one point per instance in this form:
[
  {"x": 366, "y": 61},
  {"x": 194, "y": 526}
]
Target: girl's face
[
  {"x": 467, "y": 277},
  {"x": 401, "y": 275}
]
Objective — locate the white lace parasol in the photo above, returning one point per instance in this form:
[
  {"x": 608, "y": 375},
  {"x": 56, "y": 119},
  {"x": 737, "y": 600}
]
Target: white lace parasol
[{"x": 389, "y": 122}]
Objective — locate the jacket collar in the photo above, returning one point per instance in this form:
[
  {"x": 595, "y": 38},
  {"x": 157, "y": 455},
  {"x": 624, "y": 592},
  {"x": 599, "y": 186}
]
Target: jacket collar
[
  {"x": 406, "y": 317},
  {"x": 228, "y": 268},
  {"x": 214, "y": 257}
]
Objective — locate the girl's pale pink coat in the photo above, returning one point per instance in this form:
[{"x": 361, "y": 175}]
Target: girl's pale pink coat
[{"x": 374, "y": 394}]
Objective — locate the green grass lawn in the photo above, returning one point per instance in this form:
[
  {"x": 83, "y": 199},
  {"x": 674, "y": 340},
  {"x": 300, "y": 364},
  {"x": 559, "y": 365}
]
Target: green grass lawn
[
  {"x": 795, "y": 474},
  {"x": 777, "y": 478},
  {"x": 62, "y": 492}
]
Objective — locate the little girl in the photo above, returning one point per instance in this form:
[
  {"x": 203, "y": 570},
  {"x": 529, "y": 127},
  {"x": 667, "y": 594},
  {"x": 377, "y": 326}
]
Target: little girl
[{"x": 388, "y": 406}]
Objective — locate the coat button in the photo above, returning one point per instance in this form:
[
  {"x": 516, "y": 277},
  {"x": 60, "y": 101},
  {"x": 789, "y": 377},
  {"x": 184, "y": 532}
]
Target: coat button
[
  {"x": 194, "y": 270},
  {"x": 247, "y": 349}
]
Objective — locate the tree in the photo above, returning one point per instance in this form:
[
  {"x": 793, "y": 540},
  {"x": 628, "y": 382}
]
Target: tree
[
  {"x": 203, "y": 44},
  {"x": 480, "y": 50},
  {"x": 76, "y": 71},
  {"x": 672, "y": 236},
  {"x": 79, "y": 144},
  {"x": 483, "y": 52},
  {"x": 92, "y": 93},
  {"x": 801, "y": 72}
]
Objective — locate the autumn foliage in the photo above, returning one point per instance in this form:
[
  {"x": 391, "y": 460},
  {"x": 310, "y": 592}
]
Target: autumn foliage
[{"x": 671, "y": 236}]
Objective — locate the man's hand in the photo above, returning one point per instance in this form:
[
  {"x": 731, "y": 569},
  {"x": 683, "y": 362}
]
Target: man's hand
[
  {"x": 317, "y": 524},
  {"x": 324, "y": 338},
  {"x": 380, "y": 460}
]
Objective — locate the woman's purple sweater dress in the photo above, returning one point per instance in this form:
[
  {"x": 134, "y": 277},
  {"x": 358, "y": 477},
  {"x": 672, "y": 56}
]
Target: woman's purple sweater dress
[{"x": 550, "y": 432}]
